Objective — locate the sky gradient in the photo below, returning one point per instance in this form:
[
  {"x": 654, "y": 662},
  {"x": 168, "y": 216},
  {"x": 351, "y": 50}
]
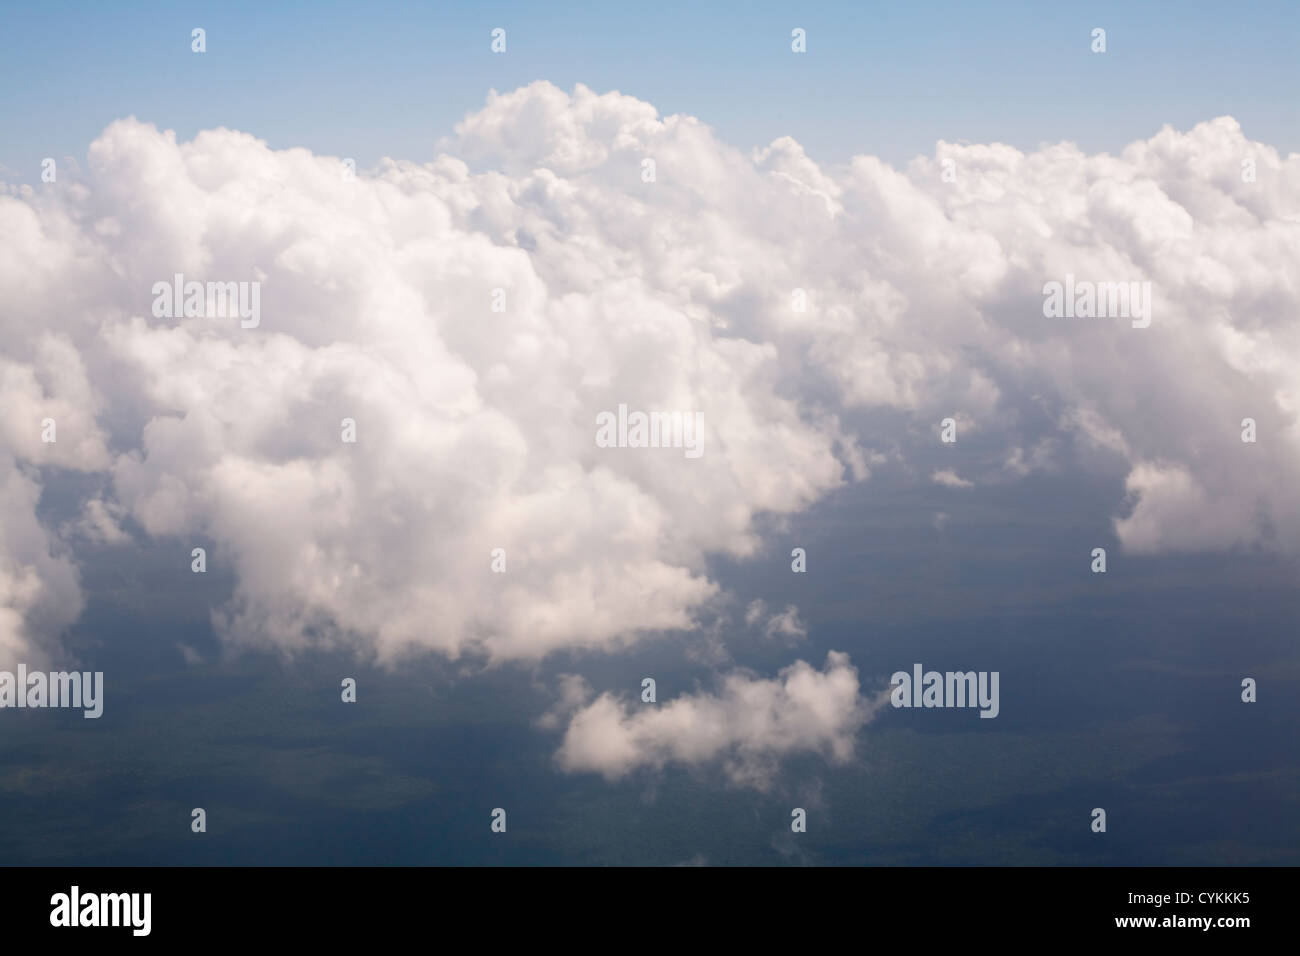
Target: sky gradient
[{"x": 889, "y": 80}]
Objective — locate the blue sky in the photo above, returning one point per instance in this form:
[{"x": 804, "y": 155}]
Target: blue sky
[{"x": 389, "y": 79}]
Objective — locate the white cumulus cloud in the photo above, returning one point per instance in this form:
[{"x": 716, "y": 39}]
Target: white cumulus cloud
[
  {"x": 747, "y": 726},
  {"x": 475, "y": 429}
]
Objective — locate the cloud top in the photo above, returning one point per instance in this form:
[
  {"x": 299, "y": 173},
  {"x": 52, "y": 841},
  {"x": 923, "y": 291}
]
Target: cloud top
[{"x": 821, "y": 320}]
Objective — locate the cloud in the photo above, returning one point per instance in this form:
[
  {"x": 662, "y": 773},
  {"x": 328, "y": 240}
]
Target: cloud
[
  {"x": 922, "y": 299},
  {"x": 40, "y": 594},
  {"x": 49, "y": 423},
  {"x": 782, "y": 625},
  {"x": 950, "y": 479},
  {"x": 191, "y": 656},
  {"x": 748, "y": 726},
  {"x": 573, "y": 694},
  {"x": 99, "y": 523}
]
